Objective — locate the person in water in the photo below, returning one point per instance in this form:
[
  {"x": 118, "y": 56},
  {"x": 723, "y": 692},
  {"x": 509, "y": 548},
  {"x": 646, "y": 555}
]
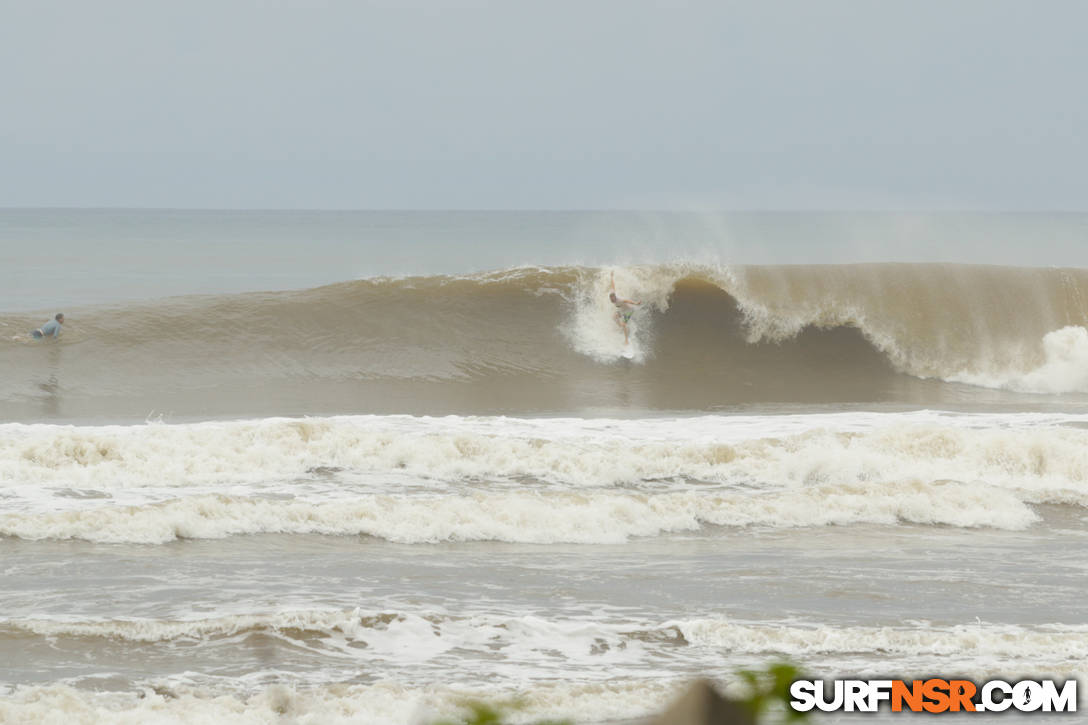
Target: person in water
[
  {"x": 624, "y": 310},
  {"x": 49, "y": 329}
]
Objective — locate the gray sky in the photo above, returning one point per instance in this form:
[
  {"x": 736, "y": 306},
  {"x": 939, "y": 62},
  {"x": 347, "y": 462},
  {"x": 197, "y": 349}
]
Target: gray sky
[{"x": 860, "y": 104}]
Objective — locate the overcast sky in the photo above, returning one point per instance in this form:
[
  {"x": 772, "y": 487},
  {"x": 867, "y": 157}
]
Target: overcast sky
[{"x": 839, "y": 104}]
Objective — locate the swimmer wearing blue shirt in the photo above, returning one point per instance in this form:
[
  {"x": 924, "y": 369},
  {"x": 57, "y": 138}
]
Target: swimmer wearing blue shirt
[{"x": 49, "y": 329}]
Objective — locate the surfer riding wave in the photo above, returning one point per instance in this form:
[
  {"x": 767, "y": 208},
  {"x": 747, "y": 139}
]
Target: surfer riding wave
[{"x": 624, "y": 310}]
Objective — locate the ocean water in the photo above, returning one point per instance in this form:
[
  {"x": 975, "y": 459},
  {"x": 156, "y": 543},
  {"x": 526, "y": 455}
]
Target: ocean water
[{"x": 364, "y": 467}]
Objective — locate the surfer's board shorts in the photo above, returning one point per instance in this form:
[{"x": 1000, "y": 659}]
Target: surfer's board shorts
[{"x": 37, "y": 334}]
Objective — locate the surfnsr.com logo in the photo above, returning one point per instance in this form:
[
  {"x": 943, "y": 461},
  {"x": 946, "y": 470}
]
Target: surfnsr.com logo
[{"x": 934, "y": 695}]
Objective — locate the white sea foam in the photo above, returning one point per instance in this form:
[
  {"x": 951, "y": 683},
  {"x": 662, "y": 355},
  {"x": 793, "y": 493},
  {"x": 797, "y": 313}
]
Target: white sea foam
[
  {"x": 588, "y": 517},
  {"x": 536, "y": 481},
  {"x": 1064, "y": 369},
  {"x": 1043, "y": 456},
  {"x": 1053, "y": 643},
  {"x": 395, "y": 638},
  {"x": 714, "y": 645},
  {"x": 384, "y": 703},
  {"x": 588, "y": 639}
]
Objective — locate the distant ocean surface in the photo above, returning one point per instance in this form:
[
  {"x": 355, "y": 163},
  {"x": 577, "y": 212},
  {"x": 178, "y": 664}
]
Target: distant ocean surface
[{"x": 365, "y": 466}]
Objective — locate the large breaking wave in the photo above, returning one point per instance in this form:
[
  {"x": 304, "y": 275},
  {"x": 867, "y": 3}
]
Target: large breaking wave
[{"x": 539, "y": 339}]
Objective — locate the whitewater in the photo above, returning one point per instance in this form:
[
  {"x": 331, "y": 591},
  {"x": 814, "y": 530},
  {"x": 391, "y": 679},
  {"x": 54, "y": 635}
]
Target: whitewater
[{"x": 324, "y": 487}]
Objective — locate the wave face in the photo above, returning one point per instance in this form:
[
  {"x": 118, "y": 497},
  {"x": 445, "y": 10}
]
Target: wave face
[{"x": 544, "y": 339}]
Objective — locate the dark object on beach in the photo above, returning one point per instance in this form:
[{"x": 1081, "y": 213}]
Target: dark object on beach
[{"x": 702, "y": 705}]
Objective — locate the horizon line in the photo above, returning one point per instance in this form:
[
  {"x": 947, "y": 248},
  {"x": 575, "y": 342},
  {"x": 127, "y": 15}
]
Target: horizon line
[{"x": 540, "y": 210}]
